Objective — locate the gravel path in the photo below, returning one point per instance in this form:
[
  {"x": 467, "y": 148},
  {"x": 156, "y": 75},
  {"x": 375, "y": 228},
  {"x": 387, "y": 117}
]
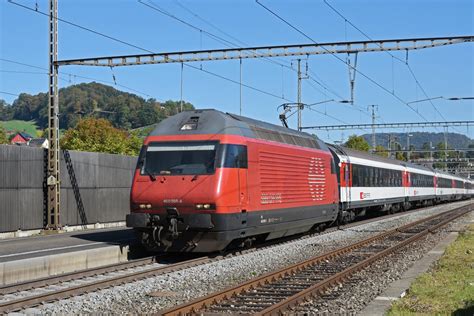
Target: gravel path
[{"x": 154, "y": 294}]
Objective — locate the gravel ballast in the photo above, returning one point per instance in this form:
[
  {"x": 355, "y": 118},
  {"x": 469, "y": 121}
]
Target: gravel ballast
[
  {"x": 161, "y": 292},
  {"x": 372, "y": 281}
]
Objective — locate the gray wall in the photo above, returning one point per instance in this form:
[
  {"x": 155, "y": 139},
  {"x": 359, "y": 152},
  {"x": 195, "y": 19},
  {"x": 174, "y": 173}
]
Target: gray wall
[{"x": 102, "y": 191}]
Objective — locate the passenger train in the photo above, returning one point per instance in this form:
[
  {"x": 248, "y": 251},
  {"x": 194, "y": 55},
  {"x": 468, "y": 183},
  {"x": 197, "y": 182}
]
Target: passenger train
[{"x": 208, "y": 181}]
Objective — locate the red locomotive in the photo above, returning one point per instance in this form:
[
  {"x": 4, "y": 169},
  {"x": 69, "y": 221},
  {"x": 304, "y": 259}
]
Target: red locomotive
[{"x": 207, "y": 180}]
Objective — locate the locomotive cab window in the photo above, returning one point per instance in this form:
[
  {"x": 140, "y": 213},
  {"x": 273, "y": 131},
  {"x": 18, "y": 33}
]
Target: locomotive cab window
[
  {"x": 233, "y": 156},
  {"x": 179, "y": 158}
]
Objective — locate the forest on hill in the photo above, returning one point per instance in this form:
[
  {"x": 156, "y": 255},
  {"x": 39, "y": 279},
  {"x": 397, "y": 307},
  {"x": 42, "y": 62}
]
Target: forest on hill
[
  {"x": 124, "y": 110},
  {"x": 420, "y": 139}
]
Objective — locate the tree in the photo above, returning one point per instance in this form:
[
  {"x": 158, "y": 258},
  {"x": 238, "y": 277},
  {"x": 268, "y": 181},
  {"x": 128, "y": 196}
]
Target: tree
[
  {"x": 3, "y": 136},
  {"x": 357, "y": 142},
  {"x": 400, "y": 156},
  {"x": 427, "y": 149},
  {"x": 98, "y": 135},
  {"x": 6, "y": 112},
  {"x": 470, "y": 154},
  {"x": 124, "y": 110},
  {"x": 381, "y": 151}
]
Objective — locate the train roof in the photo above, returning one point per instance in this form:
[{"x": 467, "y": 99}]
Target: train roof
[
  {"x": 341, "y": 150},
  {"x": 365, "y": 155},
  {"x": 211, "y": 121}
]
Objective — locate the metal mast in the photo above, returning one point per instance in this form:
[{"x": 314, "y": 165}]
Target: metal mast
[
  {"x": 403, "y": 44},
  {"x": 298, "y": 101},
  {"x": 53, "y": 179},
  {"x": 373, "y": 127},
  {"x": 390, "y": 125}
]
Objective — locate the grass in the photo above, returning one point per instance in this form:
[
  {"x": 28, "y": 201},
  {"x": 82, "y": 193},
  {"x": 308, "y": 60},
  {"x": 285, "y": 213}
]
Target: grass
[
  {"x": 448, "y": 289},
  {"x": 29, "y": 127}
]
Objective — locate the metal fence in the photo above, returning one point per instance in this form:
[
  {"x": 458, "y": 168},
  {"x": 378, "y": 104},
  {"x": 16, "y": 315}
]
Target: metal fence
[{"x": 95, "y": 188}]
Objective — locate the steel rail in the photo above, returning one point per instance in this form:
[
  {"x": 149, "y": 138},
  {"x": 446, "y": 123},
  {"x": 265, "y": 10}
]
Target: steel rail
[
  {"x": 22, "y": 303},
  {"x": 320, "y": 287},
  {"x": 204, "y": 302},
  {"x": 52, "y": 280},
  {"x": 96, "y": 285}
]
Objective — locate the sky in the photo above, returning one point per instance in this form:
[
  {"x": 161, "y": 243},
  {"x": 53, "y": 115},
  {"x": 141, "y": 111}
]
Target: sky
[{"x": 446, "y": 71}]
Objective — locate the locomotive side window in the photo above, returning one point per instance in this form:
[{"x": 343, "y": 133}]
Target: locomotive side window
[
  {"x": 233, "y": 156},
  {"x": 183, "y": 158},
  {"x": 141, "y": 157}
]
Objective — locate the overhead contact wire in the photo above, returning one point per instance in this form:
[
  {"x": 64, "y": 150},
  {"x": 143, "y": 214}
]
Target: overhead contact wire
[{"x": 341, "y": 60}]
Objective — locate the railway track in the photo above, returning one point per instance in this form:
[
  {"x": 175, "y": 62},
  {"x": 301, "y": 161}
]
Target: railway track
[
  {"x": 277, "y": 292},
  {"x": 29, "y": 294}
]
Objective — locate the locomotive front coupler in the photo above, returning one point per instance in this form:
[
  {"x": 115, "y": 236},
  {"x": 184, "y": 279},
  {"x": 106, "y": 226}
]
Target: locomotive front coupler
[{"x": 172, "y": 218}]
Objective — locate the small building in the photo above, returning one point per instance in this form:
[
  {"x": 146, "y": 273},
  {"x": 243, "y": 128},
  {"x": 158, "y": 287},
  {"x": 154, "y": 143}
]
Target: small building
[
  {"x": 21, "y": 138},
  {"x": 39, "y": 142}
]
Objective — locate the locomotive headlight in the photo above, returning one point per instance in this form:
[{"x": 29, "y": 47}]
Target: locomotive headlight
[
  {"x": 148, "y": 206},
  {"x": 205, "y": 206},
  {"x": 142, "y": 206}
]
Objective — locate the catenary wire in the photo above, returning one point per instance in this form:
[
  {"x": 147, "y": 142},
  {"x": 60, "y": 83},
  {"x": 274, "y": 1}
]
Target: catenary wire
[
  {"x": 390, "y": 54},
  {"x": 132, "y": 45},
  {"x": 78, "y": 76},
  {"x": 144, "y": 49},
  {"x": 341, "y": 60},
  {"x": 152, "y": 5},
  {"x": 81, "y": 27},
  {"x": 9, "y": 93}
]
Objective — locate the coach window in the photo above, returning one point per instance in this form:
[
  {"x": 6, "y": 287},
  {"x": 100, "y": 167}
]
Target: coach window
[
  {"x": 355, "y": 176},
  {"x": 366, "y": 173},
  {"x": 363, "y": 176},
  {"x": 233, "y": 156}
]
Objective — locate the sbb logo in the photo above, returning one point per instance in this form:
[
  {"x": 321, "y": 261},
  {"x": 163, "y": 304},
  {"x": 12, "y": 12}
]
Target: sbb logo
[{"x": 364, "y": 195}]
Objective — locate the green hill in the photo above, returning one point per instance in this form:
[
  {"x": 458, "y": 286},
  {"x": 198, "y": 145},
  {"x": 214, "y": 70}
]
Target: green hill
[
  {"x": 14, "y": 126},
  {"x": 124, "y": 110}
]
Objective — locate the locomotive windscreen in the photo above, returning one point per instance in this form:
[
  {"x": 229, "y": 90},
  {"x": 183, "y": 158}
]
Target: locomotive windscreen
[{"x": 186, "y": 158}]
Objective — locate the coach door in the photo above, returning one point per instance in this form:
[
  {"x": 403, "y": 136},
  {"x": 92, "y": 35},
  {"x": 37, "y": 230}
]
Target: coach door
[
  {"x": 347, "y": 182},
  {"x": 243, "y": 184}
]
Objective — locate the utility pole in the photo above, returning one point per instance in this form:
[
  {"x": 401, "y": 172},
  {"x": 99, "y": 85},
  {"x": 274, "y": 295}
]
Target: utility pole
[
  {"x": 352, "y": 74},
  {"x": 408, "y": 146},
  {"x": 446, "y": 146},
  {"x": 53, "y": 179},
  {"x": 431, "y": 151},
  {"x": 240, "y": 107},
  {"x": 373, "y": 126},
  {"x": 389, "y": 146},
  {"x": 181, "y": 90},
  {"x": 299, "y": 94},
  {"x": 298, "y": 101}
]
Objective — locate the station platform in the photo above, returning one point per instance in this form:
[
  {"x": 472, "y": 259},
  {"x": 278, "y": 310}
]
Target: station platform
[{"x": 28, "y": 258}]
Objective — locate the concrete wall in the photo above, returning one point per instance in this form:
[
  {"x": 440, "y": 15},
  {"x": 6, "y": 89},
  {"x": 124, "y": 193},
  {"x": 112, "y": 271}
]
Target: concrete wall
[{"x": 101, "y": 194}]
